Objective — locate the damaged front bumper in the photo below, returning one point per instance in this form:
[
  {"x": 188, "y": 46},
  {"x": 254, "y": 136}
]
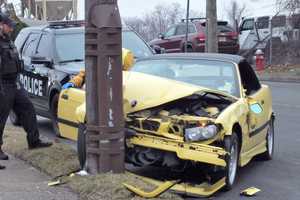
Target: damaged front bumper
[{"x": 186, "y": 151}]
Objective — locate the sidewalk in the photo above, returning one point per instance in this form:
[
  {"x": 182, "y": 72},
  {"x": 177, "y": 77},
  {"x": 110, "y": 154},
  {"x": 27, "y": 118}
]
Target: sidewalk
[
  {"x": 20, "y": 181},
  {"x": 281, "y": 74}
]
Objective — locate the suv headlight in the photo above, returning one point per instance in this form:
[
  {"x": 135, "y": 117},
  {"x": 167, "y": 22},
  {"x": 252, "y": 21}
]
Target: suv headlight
[{"x": 200, "y": 133}]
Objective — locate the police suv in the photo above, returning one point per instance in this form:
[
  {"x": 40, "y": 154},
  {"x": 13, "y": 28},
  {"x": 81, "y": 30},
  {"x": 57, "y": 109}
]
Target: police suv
[{"x": 52, "y": 54}]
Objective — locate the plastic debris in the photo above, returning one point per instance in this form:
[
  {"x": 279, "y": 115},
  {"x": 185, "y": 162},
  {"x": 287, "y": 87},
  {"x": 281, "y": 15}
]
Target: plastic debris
[
  {"x": 250, "y": 191},
  {"x": 54, "y": 183}
]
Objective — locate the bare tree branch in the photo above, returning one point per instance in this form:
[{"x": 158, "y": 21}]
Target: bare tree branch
[{"x": 235, "y": 13}]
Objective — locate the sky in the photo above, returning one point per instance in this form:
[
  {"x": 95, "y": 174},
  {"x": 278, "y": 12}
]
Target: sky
[{"x": 131, "y": 8}]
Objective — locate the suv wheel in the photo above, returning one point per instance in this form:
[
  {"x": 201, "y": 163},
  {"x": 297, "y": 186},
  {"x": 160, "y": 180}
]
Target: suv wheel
[{"x": 54, "y": 109}]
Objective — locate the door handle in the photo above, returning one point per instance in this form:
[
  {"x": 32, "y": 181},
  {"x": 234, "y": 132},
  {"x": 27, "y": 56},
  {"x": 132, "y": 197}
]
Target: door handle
[
  {"x": 64, "y": 96},
  {"x": 262, "y": 102}
]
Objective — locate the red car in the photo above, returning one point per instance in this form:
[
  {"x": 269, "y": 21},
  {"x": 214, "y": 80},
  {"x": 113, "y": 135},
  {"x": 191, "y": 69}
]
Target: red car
[{"x": 174, "y": 39}]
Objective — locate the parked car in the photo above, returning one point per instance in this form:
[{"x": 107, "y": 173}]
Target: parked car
[
  {"x": 257, "y": 32},
  {"x": 206, "y": 109},
  {"x": 173, "y": 40},
  {"x": 52, "y": 54}
]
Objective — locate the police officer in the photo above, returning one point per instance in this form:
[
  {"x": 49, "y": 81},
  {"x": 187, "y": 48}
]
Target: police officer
[{"x": 12, "y": 95}]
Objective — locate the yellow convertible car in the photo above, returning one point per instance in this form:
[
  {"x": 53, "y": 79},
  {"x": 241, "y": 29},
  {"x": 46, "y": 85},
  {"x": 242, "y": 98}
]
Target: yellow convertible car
[{"x": 206, "y": 109}]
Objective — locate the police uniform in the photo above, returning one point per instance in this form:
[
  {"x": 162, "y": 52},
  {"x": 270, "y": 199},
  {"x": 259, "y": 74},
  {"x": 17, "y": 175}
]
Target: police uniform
[{"x": 13, "y": 96}]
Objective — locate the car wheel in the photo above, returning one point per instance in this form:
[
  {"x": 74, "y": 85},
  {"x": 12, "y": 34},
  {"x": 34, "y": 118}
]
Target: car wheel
[
  {"x": 268, "y": 155},
  {"x": 81, "y": 145},
  {"x": 232, "y": 147},
  {"x": 54, "y": 110},
  {"x": 13, "y": 117}
]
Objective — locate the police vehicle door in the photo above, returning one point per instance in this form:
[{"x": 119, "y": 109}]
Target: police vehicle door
[{"x": 34, "y": 78}]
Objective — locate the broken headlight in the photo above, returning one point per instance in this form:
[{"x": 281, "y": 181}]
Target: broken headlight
[{"x": 200, "y": 133}]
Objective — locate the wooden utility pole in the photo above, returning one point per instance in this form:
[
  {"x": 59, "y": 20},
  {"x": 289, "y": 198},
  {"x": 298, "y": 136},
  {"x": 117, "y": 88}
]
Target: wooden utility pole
[
  {"x": 187, "y": 26},
  {"x": 104, "y": 96},
  {"x": 44, "y": 10},
  {"x": 74, "y": 8},
  {"x": 211, "y": 44}
]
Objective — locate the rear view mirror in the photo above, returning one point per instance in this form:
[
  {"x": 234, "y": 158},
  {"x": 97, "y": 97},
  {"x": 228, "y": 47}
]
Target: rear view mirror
[
  {"x": 158, "y": 49},
  {"x": 161, "y": 36},
  {"x": 42, "y": 61}
]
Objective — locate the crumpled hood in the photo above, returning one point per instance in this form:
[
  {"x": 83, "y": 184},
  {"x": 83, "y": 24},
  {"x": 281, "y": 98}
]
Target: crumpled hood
[{"x": 147, "y": 91}]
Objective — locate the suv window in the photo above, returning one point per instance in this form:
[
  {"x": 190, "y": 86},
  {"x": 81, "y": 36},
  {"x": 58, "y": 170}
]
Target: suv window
[
  {"x": 224, "y": 29},
  {"x": 181, "y": 30},
  {"x": 30, "y": 45},
  {"x": 170, "y": 32},
  {"x": 263, "y": 22},
  {"x": 278, "y": 21},
  {"x": 248, "y": 25},
  {"x": 44, "y": 46},
  {"x": 192, "y": 28},
  {"x": 131, "y": 41},
  {"x": 69, "y": 46},
  {"x": 20, "y": 40}
]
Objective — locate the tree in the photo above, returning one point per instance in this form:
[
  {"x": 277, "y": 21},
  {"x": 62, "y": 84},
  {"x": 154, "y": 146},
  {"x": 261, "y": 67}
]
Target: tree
[
  {"x": 157, "y": 20},
  {"x": 235, "y": 13},
  {"x": 290, "y": 5}
]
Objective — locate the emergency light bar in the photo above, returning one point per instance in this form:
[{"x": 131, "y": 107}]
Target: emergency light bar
[{"x": 64, "y": 24}]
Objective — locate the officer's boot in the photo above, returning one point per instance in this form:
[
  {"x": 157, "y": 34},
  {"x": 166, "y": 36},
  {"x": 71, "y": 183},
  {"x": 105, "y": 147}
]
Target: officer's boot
[{"x": 3, "y": 156}]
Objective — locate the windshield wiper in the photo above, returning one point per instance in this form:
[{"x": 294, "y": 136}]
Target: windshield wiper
[{"x": 73, "y": 60}]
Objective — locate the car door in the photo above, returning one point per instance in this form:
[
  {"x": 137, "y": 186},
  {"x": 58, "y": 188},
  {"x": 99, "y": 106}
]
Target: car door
[
  {"x": 258, "y": 98},
  {"x": 263, "y": 27},
  {"x": 41, "y": 68},
  {"x": 169, "y": 40},
  {"x": 247, "y": 35},
  {"x": 27, "y": 76}
]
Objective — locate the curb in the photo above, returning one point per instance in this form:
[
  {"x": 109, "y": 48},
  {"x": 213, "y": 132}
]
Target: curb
[{"x": 282, "y": 80}]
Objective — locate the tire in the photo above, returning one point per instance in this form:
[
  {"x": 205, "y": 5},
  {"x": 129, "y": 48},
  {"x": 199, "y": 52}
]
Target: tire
[
  {"x": 268, "y": 155},
  {"x": 14, "y": 119},
  {"x": 81, "y": 145},
  {"x": 231, "y": 144},
  {"x": 54, "y": 110},
  {"x": 189, "y": 49}
]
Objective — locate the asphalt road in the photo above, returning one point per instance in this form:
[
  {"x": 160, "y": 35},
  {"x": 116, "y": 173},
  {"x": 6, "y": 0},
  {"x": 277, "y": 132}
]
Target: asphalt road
[{"x": 278, "y": 179}]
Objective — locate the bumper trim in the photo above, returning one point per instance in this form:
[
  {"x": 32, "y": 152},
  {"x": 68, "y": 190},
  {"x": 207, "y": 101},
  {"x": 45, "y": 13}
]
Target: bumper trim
[{"x": 186, "y": 151}]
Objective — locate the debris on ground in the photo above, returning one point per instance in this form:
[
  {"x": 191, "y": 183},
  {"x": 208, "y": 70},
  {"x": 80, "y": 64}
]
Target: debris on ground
[
  {"x": 60, "y": 162},
  {"x": 250, "y": 191}
]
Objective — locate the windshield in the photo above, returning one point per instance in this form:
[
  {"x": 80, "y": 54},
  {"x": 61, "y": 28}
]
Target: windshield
[
  {"x": 70, "y": 47},
  {"x": 134, "y": 43},
  {"x": 217, "y": 75}
]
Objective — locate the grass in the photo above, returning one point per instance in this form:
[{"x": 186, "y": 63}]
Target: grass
[{"x": 61, "y": 159}]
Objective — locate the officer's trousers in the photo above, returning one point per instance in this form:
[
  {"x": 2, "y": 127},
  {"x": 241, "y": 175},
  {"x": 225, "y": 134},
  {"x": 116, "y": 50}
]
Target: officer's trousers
[{"x": 16, "y": 99}]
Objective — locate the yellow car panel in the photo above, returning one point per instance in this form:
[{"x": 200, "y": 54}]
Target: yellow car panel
[{"x": 165, "y": 130}]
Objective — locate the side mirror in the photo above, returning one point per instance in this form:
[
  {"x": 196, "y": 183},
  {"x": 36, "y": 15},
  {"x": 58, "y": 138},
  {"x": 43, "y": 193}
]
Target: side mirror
[
  {"x": 161, "y": 36},
  {"x": 158, "y": 49},
  {"x": 42, "y": 61}
]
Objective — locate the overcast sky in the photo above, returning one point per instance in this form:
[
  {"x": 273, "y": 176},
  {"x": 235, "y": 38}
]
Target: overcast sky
[{"x": 130, "y": 8}]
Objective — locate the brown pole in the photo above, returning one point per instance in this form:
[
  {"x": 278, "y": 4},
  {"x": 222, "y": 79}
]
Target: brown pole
[{"x": 104, "y": 98}]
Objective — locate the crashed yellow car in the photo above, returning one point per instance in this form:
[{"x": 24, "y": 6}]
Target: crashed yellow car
[{"x": 207, "y": 109}]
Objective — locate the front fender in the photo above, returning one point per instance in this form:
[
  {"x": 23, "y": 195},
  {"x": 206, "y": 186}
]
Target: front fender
[{"x": 235, "y": 113}]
